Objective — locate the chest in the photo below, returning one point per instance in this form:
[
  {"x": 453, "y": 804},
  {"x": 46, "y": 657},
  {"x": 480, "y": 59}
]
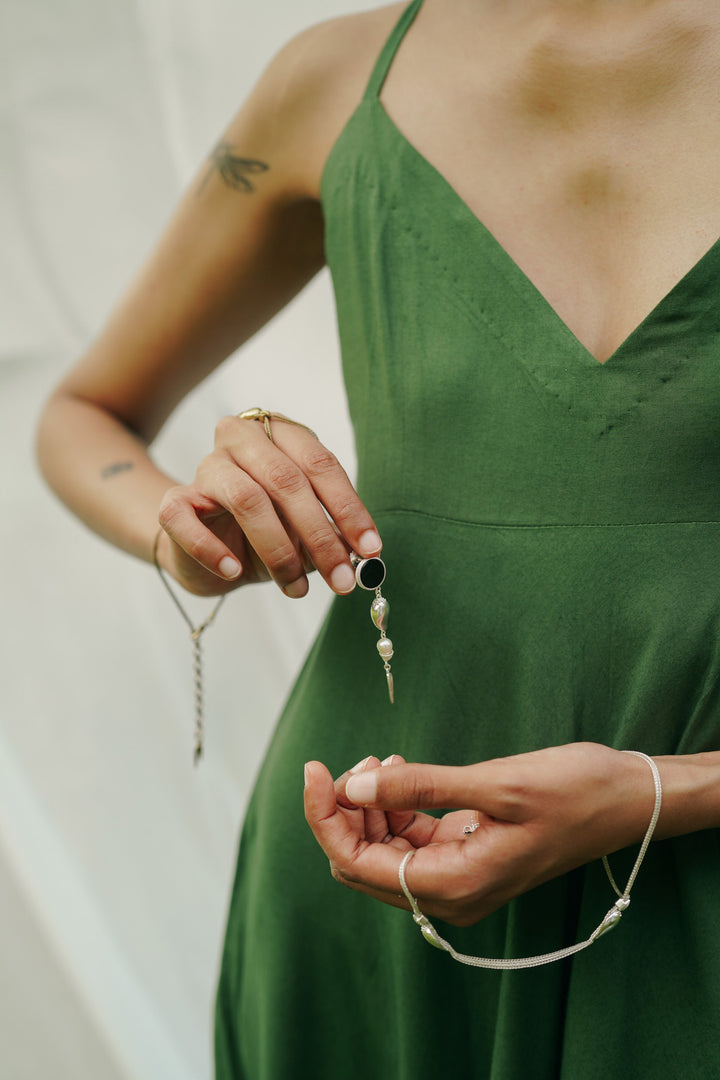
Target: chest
[{"x": 591, "y": 157}]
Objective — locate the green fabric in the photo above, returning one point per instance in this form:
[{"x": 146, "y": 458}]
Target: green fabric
[{"x": 551, "y": 529}]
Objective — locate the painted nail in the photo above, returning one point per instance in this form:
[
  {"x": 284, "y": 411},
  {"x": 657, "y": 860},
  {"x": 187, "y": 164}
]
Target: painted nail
[
  {"x": 369, "y": 543},
  {"x": 362, "y": 789},
  {"x": 229, "y": 567},
  {"x": 342, "y": 578}
]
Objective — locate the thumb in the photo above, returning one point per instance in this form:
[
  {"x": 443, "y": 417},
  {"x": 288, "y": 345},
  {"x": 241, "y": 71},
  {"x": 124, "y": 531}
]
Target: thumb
[{"x": 416, "y": 787}]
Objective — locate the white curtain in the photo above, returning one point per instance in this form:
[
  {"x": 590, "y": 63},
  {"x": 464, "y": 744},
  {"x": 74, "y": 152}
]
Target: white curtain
[{"x": 116, "y": 856}]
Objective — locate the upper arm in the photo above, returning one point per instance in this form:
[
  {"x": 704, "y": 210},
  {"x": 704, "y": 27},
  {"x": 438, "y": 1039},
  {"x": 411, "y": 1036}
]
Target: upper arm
[{"x": 244, "y": 239}]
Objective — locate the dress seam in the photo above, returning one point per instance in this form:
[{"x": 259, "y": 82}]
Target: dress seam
[{"x": 540, "y": 525}]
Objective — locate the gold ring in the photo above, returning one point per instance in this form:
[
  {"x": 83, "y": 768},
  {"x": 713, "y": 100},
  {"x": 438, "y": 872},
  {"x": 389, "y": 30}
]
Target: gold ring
[{"x": 266, "y": 416}]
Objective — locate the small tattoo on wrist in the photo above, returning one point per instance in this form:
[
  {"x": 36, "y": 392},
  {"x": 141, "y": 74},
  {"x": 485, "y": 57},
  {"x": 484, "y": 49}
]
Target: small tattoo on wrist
[
  {"x": 115, "y": 468},
  {"x": 233, "y": 169}
]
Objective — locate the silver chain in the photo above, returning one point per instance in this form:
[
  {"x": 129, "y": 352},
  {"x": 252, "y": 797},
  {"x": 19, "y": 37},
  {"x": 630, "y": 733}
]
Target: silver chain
[
  {"x": 611, "y": 919},
  {"x": 196, "y": 633}
]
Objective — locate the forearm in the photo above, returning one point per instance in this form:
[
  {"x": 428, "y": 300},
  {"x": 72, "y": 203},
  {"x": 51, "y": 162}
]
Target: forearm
[
  {"x": 102, "y": 472},
  {"x": 691, "y": 794}
]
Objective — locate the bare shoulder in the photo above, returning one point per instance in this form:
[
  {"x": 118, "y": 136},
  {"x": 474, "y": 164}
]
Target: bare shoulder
[
  {"x": 343, "y": 48},
  {"x": 309, "y": 91}
]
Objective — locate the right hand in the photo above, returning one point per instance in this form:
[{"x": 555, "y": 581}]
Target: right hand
[{"x": 256, "y": 511}]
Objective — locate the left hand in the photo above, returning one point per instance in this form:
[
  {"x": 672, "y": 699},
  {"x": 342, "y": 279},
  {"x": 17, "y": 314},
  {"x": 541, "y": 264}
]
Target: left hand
[{"x": 540, "y": 815}]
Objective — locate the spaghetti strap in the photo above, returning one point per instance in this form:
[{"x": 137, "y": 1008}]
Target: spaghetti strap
[{"x": 391, "y": 46}]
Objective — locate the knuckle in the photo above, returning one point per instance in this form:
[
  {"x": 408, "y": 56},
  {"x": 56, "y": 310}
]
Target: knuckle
[
  {"x": 513, "y": 797},
  {"x": 345, "y": 871},
  {"x": 195, "y": 548},
  {"x": 319, "y": 460},
  {"x": 338, "y": 874},
  {"x": 284, "y": 478},
  {"x": 246, "y": 496},
  {"x": 212, "y": 462},
  {"x": 345, "y": 510},
  {"x": 420, "y": 790},
  {"x": 170, "y": 509},
  {"x": 283, "y": 562},
  {"x": 322, "y": 542},
  {"x": 225, "y": 429},
  {"x": 408, "y": 827}
]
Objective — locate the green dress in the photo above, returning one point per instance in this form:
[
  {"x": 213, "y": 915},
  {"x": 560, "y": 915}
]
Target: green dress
[{"x": 551, "y": 529}]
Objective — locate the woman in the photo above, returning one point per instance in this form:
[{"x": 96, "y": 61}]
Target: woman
[{"x": 518, "y": 206}]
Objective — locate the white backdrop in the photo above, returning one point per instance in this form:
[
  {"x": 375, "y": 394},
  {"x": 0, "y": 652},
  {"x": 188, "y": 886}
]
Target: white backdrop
[{"x": 116, "y": 856}]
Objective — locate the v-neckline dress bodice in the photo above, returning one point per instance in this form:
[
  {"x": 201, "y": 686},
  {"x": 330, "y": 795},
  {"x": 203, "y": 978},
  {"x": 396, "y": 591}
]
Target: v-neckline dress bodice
[
  {"x": 415, "y": 245},
  {"x": 551, "y": 530}
]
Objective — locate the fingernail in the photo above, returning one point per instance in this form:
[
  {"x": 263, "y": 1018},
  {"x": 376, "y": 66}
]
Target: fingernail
[
  {"x": 306, "y": 775},
  {"x": 388, "y": 760},
  {"x": 229, "y": 567},
  {"x": 369, "y": 543},
  {"x": 361, "y": 764},
  {"x": 362, "y": 789},
  {"x": 296, "y": 589},
  {"x": 342, "y": 578}
]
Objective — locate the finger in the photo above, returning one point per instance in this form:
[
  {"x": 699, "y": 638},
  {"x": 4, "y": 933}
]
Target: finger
[
  {"x": 338, "y": 831},
  {"x": 444, "y": 874},
  {"x": 417, "y": 829},
  {"x": 457, "y": 910},
  {"x": 319, "y": 794},
  {"x": 439, "y": 870},
  {"x": 411, "y": 826},
  {"x": 299, "y": 474},
  {"x": 369, "y": 762},
  {"x": 399, "y": 820},
  {"x": 264, "y": 489},
  {"x": 253, "y": 510},
  {"x": 332, "y": 486},
  {"x": 376, "y": 828},
  {"x": 178, "y": 518},
  {"x": 483, "y": 787}
]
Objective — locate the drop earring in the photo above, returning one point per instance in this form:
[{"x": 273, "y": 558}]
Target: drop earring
[{"x": 370, "y": 574}]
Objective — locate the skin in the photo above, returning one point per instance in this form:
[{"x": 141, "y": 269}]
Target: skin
[
  {"x": 584, "y": 135},
  {"x": 540, "y": 815}
]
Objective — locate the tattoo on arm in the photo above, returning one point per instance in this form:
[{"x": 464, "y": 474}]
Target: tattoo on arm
[
  {"x": 115, "y": 468},
  {"x": 233, "y": 169}
]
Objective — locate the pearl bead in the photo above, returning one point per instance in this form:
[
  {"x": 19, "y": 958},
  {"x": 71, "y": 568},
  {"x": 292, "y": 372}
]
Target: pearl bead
[{"x": 385, "y": 648}]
